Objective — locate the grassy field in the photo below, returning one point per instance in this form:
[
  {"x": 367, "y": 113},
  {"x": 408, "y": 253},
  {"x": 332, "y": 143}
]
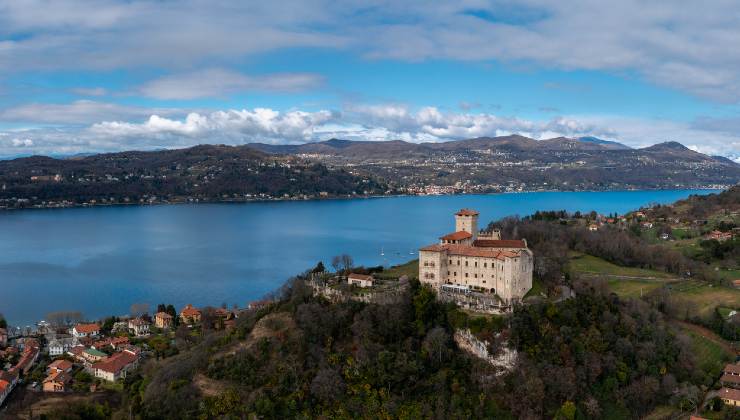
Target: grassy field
[
  {"x": 702, "y": 298},
  {"x": 410, "y": 269},
  {"x": 584, "y": 263},
  {"x": 633, "y": 288},
  {"x": 537, "y": 288},
  {"x": 710, "y": 356}
]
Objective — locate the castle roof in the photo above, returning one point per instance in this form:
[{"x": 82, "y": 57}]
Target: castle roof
[
  {"x": 457, "y": 236},
  {"x": 499, "y": 243},
  {"x": 471, "y": 251},
  {"x": 467, "y": 212}
]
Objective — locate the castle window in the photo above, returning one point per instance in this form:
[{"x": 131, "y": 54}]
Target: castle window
[
  {"x": 466, "y": 263},
  {"x": 466, "y": 274},
  {"x": 485, "y": 265},
  {"x": 448, "y": 273},
  {"x": 458, "y": 262},
  {"x": 484, "y": 282},
  {"x": 450, "y": 262},
  {"x": 476, "y": 263},
  {"x": 455, "y": 273},
  {"x": 475, "y": 275}
]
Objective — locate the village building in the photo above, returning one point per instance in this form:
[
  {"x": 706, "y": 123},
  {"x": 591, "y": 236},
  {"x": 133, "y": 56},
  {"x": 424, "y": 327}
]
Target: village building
[
  {"x": 730, "y": 396},
  {"x": 139, "y": 327},
  {"x": 57, "y": 381},
  {"x": 113, "y": 342},
  {"x": 361, "y": 280},
  {"x": 731, "y": 376},
  {"x": 116, "y": 366},
  {"x": 190, "y": 315},
  {"x": 60, "y": 365},
  {"x": 718, "y": 236},
  {"x": 92, "y": 355},
  {"x": 59, "y": 346},
  {"x": 481, "y": 261},
  {"x": 85, "y": 330},
  {"x": 163, "y": 320},
  {"x": 8, "y": 381}
]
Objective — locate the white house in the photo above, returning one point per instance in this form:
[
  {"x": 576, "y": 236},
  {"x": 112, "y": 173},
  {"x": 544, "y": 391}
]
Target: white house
[
  {"x": 138, "y": 326},
  {"x": 85, "y": 330},
  {"x": 361, "y": 280}
]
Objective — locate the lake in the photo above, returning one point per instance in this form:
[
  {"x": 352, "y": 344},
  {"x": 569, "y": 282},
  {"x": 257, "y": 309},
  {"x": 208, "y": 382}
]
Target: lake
[{"x": 100, "y": 260}]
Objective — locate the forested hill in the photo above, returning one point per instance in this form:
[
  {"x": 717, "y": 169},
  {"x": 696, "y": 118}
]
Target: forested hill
[{"x": 204, "y": 173}]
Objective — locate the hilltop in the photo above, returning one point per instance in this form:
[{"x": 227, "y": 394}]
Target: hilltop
[{"x": 520, "y": 163}]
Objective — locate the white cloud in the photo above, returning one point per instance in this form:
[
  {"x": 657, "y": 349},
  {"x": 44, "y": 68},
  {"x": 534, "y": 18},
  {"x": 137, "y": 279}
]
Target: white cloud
[
  {"x": 220, "y": 82},
  {"x": 359, "y": 122},
  {"x": 78, "y": 112}
]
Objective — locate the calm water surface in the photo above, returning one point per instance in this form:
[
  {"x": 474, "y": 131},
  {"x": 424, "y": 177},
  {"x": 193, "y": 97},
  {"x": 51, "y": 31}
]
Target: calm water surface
[{"x": 101, "y": 260}]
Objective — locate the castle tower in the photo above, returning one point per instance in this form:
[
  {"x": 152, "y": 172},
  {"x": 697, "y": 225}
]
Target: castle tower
[{"x": 467, "y": 220}]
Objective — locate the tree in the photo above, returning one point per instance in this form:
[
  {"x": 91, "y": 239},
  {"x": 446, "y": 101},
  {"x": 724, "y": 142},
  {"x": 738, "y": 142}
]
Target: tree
[
  {"x": 161, "y": 308},
  {"x": 3, "y": 322},
  {"x": 435, "y": 344},
  {"x": 347, "y": 262},
  {"x": 319, "y": 268},
  {"x": 336, "y": 262},
  {"x": 139, "y": 309},
  {"x": 327, "y": 385}
]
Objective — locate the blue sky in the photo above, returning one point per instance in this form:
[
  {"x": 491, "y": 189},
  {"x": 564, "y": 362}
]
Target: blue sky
[{"x": 80, "y": 76}]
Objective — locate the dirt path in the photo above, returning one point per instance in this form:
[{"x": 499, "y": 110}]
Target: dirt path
[
  {"x": 624, "y": 277},
  {"x": 708, "y": 334}
]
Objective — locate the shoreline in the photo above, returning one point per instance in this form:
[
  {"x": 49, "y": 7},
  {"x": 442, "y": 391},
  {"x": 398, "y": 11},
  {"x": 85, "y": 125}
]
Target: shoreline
[{"x": 358, "y": 197}]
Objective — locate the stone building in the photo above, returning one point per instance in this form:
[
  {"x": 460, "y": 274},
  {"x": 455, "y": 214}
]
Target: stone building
[{"x": 469, "y": 260}]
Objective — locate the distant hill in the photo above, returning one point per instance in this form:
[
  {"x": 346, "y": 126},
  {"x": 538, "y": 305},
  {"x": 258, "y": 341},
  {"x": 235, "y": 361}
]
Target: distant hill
[
  {"x": 506, "y": 161},
  {"x": 203, "y": 173}
]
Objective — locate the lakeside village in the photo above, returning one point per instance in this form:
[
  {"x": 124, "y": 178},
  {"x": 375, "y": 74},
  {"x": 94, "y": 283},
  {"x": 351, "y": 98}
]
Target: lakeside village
[{"x": 476, "y": 269}]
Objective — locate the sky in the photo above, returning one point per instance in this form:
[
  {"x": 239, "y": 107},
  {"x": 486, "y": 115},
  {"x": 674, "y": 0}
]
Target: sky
[{"x": 80, "y": 76}]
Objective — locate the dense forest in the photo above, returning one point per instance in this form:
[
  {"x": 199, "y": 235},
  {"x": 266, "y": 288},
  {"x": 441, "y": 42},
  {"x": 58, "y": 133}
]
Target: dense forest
[{"x": 204, "y": 173}]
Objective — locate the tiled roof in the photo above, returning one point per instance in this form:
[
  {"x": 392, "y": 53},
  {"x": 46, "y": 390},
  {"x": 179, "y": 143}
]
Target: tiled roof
[
  {"x": 729, "y": 393},
  {"x": 58, "y": 376},
  {"x": 115, "y": 363},
  {"x": 457, "y": 236},
  {"x": 360, "y": 276},
  {"x": 4, "y": 385},
  {"x": 189, "y": 311},
  {"x": 730, "y": 379},
  {"x": 471, "y": 251},
  {"x": 466, "y": 212},
  {"x": 163, "y": 315},
  {"x": 87, "y": 328},
  {"x": 60, "y": 364},
  {"x": 499, "y": 243},
  {"x": 732, "y": 368}
]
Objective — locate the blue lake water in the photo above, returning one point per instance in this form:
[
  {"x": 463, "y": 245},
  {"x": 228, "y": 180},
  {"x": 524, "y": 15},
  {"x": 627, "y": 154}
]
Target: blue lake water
[{"x": 101, "y": 260}]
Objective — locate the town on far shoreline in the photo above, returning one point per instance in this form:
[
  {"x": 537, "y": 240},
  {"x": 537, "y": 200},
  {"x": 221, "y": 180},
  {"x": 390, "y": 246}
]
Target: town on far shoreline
[{"x": 486, "y": 273}]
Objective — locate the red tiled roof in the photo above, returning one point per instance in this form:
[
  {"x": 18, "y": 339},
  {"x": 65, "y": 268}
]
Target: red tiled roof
[
  {"x": 360, "y": 276},
  {"x": 3, "y": 385},
  {"x": 466, "y": 212},
  {"x": 163, "y": 315},
  {"x": 190, "y": 311},
  {"x": 59, "y": 376},
  {"x": 729, "y": 393},
  {"x": 87, "y": 328},
  {"x": 732, "y": 368},
  {"x": 499, "y": 243},
  {"x": 457, "y": 236},
  {"x": 115, "y": 363},
  {"x": 471, "y": 251},
  {"x": 730, "y": 379},
  {"x": 60, "y": 364}
]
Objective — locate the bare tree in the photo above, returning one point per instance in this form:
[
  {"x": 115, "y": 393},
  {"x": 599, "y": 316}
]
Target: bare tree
[
  {"x": 347, "y": 262},
  {"x": 139, "y": 309},
  {"x": 336, "y": 262}
]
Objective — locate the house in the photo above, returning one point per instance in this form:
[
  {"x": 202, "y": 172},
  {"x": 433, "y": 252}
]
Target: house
[
  {"x": 3, "y": 337},
  {"x": 59, "y": 346},
  {"x": 8, "y": 380},
  {"x": 190, "y": 315},
  {"x": 60, "y": 365},
  {"x": 119, "y": 327},
  {"x": 647, "y": 225},
  {"x": 93, "y": 355},
  {"x": 139, "y": 327},
  {"x": 731, "y": 376},
  {"x": 30, "y": 354},
  {"x": 718, "y": 236},
  {"x": 481, "y": 261},
  {"x": 361, "y": 280},
  {"x": 593, "y": 227},
  {"x": 85, "y": 330},
  {"x": 116, "y": 366},
  {"x": 730, "y": 396},
  {"x": 736, "y": 283},
  {"x": 163, "y": 320},
  {"x": 112, "y": 342},
  {"x": 664, "y": 236},
  {"x": 57, "y": 381}
]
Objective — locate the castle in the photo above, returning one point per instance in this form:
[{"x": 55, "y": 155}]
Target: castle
[{"x": 479, "y": 261}]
